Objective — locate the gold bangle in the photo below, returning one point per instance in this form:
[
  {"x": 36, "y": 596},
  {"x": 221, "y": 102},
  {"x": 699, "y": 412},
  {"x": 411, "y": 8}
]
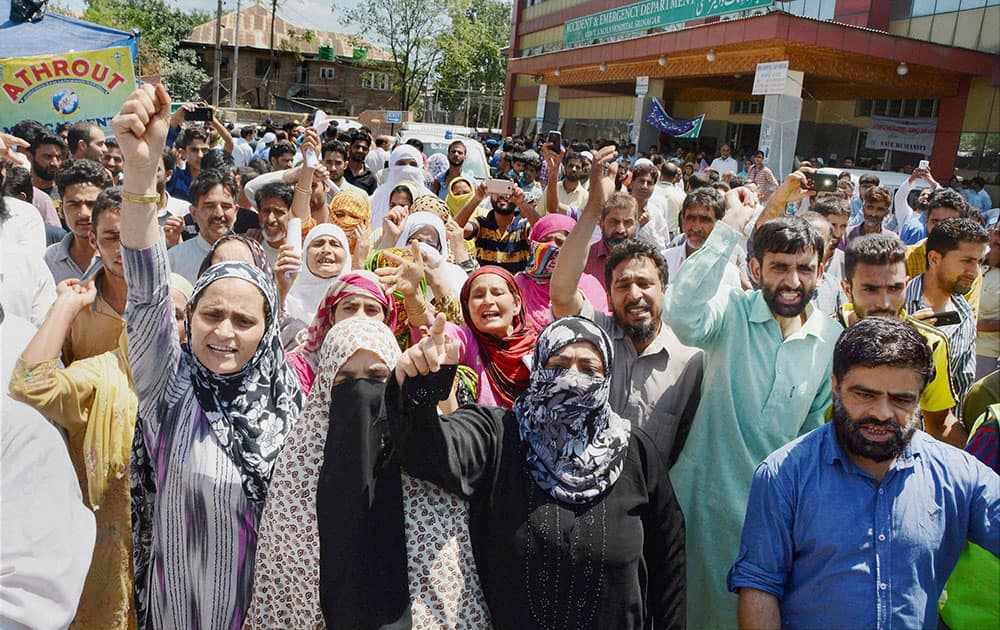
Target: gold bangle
[
  {"x": 137, "y": 198},
  {"x": 303, "y": 189}
]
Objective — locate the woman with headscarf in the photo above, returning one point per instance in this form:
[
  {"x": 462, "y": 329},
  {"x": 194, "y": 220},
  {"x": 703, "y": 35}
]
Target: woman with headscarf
[
  {"x": 326, "y": 254},
  {"x": 218, "y": 410},
  {"x": 460, "y": 191},
  {"x": 354, "y": 294},
  {"x": 547, "y": 236},
  {"x": 350, "y": 210},
  {"x": 428, "y": 230},
  {"x": 494, "y": 342},
  {"x": 215, "y": 411},
  {"x": 573, "y": 519},
  {"x": 404, "y": 167},
  {"x": 321, "y": 527}
]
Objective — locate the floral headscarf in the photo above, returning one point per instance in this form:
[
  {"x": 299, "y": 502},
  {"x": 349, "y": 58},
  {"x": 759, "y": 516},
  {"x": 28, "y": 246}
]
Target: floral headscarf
[
  {"x": 349, "y": 209},
  {"x": 363, "y": 283},
  {"x": 576, "y": 443},
  {"x": 286, "y": 573},
  {"x": 249, "y": 411}
]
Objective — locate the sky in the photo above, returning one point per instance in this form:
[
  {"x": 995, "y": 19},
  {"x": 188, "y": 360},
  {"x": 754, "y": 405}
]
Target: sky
[{"x": 319, "y": 15}]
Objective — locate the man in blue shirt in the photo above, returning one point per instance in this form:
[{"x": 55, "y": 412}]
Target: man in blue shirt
[{"x": 859, "y": 523}]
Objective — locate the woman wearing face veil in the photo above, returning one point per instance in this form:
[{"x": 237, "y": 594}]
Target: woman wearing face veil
[
  {"x": 392, "y": 550},
  {"x": 573, "y": 520}
]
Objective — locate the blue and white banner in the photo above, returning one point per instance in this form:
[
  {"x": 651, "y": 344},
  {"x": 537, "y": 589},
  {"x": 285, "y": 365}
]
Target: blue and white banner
[{"x": 677, "y": 128}]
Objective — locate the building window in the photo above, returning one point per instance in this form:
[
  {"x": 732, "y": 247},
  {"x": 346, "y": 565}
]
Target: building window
[
  {"x": 260, "y": 68},
  {"x": 898, "y": 107},
  {"x": 746, "y": 107},
  {"x": 376, "y": 81},
  {"x": 326, "y": 73}
]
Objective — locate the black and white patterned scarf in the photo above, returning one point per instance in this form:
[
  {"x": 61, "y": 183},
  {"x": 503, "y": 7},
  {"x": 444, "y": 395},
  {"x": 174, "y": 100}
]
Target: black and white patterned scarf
[
  {"x": 576, "y": 443},
  {"x": 250, "y": 411}
]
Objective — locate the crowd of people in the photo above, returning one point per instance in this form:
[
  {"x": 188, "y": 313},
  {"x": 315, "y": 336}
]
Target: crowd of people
[{"x": 318, "y": 380}]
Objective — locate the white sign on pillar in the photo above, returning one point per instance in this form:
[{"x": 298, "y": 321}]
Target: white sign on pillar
[
  {"x": 641, "y": 90},
  {"x": 543, "y": 92},
  {"x": 779, "y": 125},
  {"x": 770, "y": 78}
]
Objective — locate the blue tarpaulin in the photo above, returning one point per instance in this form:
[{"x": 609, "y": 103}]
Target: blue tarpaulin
[{"x": 56, "y": 34}]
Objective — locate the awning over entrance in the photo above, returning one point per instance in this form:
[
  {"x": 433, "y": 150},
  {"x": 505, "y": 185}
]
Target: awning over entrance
[{"x": 839, "y": 62}]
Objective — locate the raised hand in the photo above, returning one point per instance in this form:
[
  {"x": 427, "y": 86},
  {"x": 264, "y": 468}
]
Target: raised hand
[
  {"x": 75, "y": 294},
  {"x": 173, "y": 227},
  {"x": 405, "y": 275},
  {"x": 141, "y": 129},
  {"x": 435, "y": 348},
  {"x": 603, "y": 171},
  {"x": 286, "y": 268},
  {"x": 8, "y": 146}
]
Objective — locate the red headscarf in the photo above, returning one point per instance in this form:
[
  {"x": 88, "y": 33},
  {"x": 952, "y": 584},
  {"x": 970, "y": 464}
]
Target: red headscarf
[{"x": 502, "y": 356}]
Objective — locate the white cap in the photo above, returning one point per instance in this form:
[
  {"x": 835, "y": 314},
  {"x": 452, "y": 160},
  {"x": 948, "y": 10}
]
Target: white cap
[{"x": 269, "y": 138}]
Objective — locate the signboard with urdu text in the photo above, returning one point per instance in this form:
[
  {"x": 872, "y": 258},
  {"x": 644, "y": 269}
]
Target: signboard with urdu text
[
  {"x": 66, "y": 88},
  {"x": 642, "y": 16},
  {"x": 659, "y": 118},
  {"x": 901, "y": 134}
]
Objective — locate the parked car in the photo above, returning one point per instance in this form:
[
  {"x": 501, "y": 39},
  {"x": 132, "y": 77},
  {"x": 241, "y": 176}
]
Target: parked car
[{"x": 437, "y": 142}]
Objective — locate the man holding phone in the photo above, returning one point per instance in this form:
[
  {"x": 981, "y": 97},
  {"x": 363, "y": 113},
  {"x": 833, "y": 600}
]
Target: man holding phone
[
  {"x": 875, "y": 208},
  {"x": 955, "y": 249},
  {"x": 502, "y": 235},
  {"x": 194, "y": 142}
]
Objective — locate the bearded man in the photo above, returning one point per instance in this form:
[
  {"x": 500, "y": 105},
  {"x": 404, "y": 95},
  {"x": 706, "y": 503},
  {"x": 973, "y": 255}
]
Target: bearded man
[{"x": 859, "y": 523}]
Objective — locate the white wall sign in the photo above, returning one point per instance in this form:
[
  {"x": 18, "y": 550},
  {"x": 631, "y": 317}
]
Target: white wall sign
[{"x": 770, "y": 78}]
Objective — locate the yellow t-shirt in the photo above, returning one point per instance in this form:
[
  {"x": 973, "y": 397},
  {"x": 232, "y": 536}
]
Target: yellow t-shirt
[{"x": 939, "y": 394}]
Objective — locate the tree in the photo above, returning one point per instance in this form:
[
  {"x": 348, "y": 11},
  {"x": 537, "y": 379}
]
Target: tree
[
  {"x": 161, "y": 28},
  {"x": 410, "y": 31},
  {"x": 474, "y": 67}
]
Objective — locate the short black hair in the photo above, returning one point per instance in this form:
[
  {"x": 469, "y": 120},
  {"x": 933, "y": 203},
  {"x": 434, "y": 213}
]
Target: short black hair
[
  {"x": 786, "y": 235},
  {"x": 169, "y": 160},
  {"x": 82, "y": 172},
  {"x": 209, "y": 179},
  {"x": 217, "y": 159},
  {"x": 18, "y": 182},
  {"x": 280, "y": 190},
  {"x": 247, "y": 174},
  {"x": 28, "y": 130},
  {"x": 79, "y": 131},
  {"x": 363, "y": 136},
  {"x": 260, "y": 165},
  {"x": 868, "y": 178},
  {"x": 708, "y": 197},
  {"x": 280, "y": 148},
  {"x": 413, "y": 142},
  {"x": 192, "y": 133},
  {"x": 334, "y": 146},
  {"x": 44, "y": 138},
  {"x": 634, "y": 248},
  {"x": 948, "y": 198},
  {"x": 248, "y": 131},
  {"x": 455, "y": 142},
  {"x": 831, "y": 204},
  {"x": 948, "y": 235},
  {"x": 111, "y": 143},
  {"x": 883, "y": 341},
  {"x": 698, "y": 180},
  {"x": 572, "y": 155},
  {"x": 109, "y": 199},
  {"x": 735, "y": 181},
  {"x": 874, "y": 250}
]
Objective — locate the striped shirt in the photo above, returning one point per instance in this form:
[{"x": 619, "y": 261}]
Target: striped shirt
[
  {"x": 961, "y": 336},
  {"x": 508, "y": 248}
]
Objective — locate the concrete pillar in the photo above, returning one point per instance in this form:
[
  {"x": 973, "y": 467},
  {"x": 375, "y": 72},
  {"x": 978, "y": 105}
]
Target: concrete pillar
[
  {"x": 951, "y": 117},
  {"x": 644, "y": 134},
  {"x": 779, "y": 126}
]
